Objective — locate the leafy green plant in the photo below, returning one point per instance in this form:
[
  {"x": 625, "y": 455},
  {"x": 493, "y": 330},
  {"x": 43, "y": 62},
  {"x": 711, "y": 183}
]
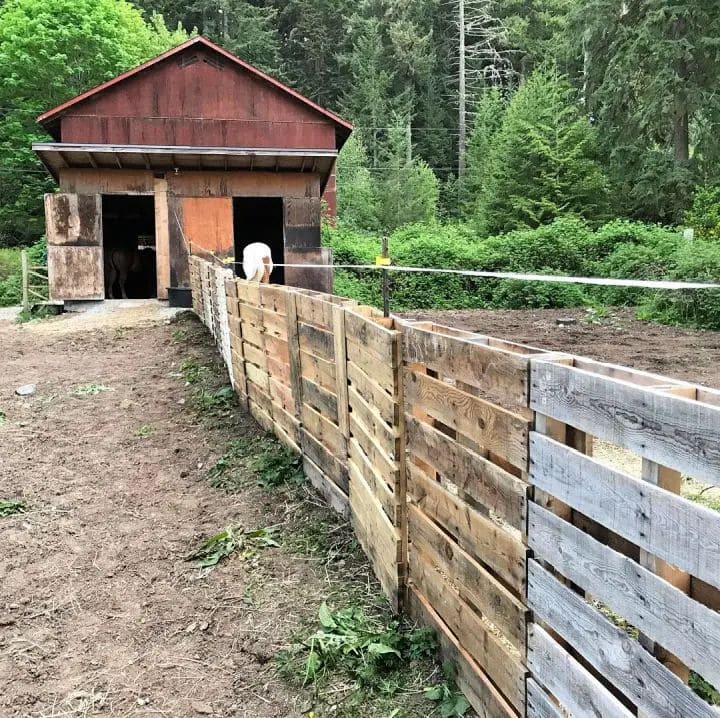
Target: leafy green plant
[
  {"x": 181, "y": 334},
  {"x": 231, "y": 470},
  {"x": 192, "y": 371},
  {"x": 231, "y": 541},
  {"x": 277, "y": 465},
  {"x": 91, "y": 389},
  {"x": 701, "y": 687},
  {"x": 144, "y": 431},
  {"x": 3, "y": 417},
  {"x": 347, "y": 640},
  {"x": 214, "y": 400},
  {"x": 369, "y": 650},
  {"x": 704, "y": 215},
  {"x": 9, "y": 507}
]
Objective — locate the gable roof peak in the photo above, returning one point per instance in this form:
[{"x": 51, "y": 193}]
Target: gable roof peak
[{"x": 343, "y": 128}]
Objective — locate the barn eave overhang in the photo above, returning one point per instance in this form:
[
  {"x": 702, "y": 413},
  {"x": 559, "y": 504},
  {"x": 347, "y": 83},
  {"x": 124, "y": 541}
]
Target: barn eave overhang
[{"x": 57, "y": 156}]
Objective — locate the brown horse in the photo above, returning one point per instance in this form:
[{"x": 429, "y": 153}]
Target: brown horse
[{"x": 119, "y": 262}]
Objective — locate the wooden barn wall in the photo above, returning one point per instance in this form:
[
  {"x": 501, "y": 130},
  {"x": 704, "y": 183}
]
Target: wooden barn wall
[
  {"x": 194, "y": 210},
  {"x": 525, "y": 504},
  {"x": 188, "y": 100}
]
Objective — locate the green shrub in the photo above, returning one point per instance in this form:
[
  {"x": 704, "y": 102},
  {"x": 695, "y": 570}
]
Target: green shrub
[
  {"x": 704, "y": 215},
  {"x": 698, "y": 261},
  {"x": 619, "y": 249},
  {"x": 10, "y": 271},
  {"x": 9, "y": 262}
]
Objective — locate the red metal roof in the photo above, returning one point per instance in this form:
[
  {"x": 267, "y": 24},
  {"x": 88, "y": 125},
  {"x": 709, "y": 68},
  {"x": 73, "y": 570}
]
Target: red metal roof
[{"x": 344, "y": 126}]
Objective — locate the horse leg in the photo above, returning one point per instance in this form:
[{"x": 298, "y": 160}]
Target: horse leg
[
  {"x": 112, "y": 278},
  {"x": 122, "y": 281}
]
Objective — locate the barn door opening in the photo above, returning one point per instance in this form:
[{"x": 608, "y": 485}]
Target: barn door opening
[
  {"x": 260, "y": 219},
  {"x": 128, "y": 223}
]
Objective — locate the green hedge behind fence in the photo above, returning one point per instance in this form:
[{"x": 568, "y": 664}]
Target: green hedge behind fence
[{"x": 620, "y": 249}]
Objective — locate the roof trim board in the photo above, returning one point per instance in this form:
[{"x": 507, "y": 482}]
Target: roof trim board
[{"x": 59, "y": 155}]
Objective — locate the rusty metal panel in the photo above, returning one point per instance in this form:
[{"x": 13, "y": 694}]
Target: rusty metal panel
[
  {"x": 203, "y": 103},
  {"x": 208, "y": 225},
  {"x": 73, "y": 219},
  {"x": 76, "y": 272},
  {"x": 320, "y": 279},
  {"x": 243, "y": 184}
]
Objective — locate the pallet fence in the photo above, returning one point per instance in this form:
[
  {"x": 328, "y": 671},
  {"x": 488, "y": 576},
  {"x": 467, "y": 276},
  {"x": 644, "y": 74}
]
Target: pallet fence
[{"x": 525, "y": 504}]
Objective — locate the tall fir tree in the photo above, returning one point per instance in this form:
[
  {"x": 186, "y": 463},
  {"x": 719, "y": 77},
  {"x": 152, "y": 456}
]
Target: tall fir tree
[
  {"x": 651, "y": 73},
  {"x": 542, "y": 163},
  {"x": 489, "y": 115}
]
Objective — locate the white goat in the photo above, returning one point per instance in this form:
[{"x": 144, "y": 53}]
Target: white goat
[{"x": 257, "y": 262}]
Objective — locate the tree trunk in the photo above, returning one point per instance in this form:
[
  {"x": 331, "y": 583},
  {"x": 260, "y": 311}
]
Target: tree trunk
[
  {"x": 462, "y": 94},
  {"x": 681, "y": 131},
  {"x": 681, "y": 119}
]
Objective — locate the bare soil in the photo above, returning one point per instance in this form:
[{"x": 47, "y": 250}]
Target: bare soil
[
  {"x": 619, "y": 338},
  {"x": 101, "y": 613}
]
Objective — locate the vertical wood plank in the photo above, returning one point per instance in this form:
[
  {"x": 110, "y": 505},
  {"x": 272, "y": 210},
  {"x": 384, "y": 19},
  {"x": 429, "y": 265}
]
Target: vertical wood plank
[
  {"x": 162, "y": 237},
  {"x": 670, "y": 480},
  {"x": 340, "y": 346},
  {"x": 294, "y": 352}
]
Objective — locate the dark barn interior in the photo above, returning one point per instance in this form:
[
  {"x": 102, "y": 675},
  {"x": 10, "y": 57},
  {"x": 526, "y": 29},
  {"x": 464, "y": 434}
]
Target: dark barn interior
[
  {"x": 128, "y": 230},
  {"x": 260, "y": 219}
]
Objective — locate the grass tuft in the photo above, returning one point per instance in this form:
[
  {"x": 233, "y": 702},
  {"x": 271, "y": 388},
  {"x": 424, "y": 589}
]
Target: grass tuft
[
  {"x": 91, "y": 389},
  {"x": 10, "y": 507}
]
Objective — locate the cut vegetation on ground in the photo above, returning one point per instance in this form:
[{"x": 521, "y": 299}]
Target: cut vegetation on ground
[{"x": 102, "y": 610}]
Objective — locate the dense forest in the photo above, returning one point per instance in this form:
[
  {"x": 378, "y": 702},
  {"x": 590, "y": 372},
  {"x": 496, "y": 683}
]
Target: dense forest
[{"x": 481, "y": 116}]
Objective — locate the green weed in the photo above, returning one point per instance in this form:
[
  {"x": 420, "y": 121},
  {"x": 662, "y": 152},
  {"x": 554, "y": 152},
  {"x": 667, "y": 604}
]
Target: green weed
[
  {"x": 367, "y": 650},
  {"x": 192, "y": 371},
  {"x": 213, "y": 401},
  {"x": 144, "y": 431},
  {"x": 41, "y": 312},
  {"x": 229, "y": 542},
  {"x": 3, "y": 417},
  {"x": 10, "y": 507},
  {"x": 181, "y": 334},
  {"x": 451, "y": 703},
  {"x": 278, "y": 465},
  {"x": 703, "y": 689},
  {"x": 231, "y": 471},
  {"x": 91, "y": 389}
]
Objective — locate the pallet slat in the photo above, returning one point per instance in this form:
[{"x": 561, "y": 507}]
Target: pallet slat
[
  {"x": 672, "y": 431},
  {"x": 668, "y": 616},
  {"x": 665, "y": 524},
  {"x": 619, "y": 658},
  {"x": 473, "y": 474},
  {"x": 495, "y": 429}
]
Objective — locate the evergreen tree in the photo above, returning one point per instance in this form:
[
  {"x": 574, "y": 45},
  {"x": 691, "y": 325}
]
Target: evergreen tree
[
  {"x": 247, "y": 28},
  {"x": 651, "y": 71},
  {"x": 488, "y": 119},
  {"x": 410, "y": 190},
  {"x": 312, "y": 35},
  {"x": 357, "y": 192},
  {"x": 542, "y": 162}
]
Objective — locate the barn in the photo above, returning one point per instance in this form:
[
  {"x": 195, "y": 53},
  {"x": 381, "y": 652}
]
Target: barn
[{"x": 193, "y": 152}]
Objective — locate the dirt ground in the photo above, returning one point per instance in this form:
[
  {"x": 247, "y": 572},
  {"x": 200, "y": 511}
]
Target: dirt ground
[
  {"x": 101, "y": 613},
  {"x": 618, "y": 338}
]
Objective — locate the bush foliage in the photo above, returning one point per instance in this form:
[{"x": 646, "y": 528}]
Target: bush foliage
[{"x": 567, "y": 246}]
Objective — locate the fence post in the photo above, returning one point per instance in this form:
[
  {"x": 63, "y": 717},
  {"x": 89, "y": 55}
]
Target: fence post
[{"x": 25, "y": 280}]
